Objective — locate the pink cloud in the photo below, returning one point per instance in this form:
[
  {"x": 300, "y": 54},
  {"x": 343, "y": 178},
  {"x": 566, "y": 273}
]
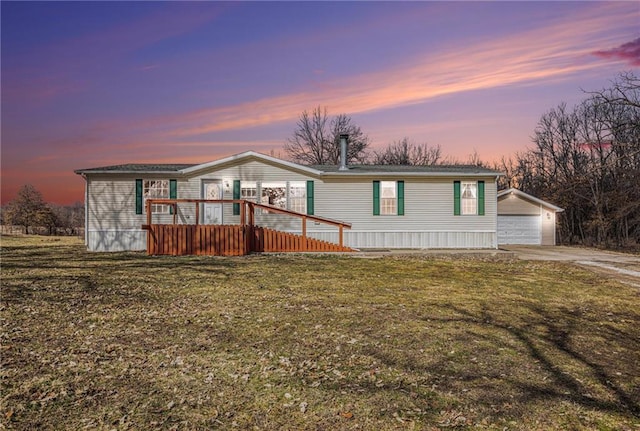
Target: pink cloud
[
  {"x": 628, "y": 52},
  {"x": 551, "y": 53}
]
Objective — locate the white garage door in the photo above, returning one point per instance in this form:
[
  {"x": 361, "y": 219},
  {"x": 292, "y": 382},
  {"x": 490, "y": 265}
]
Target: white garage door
[{"x": 519, "y": 229}]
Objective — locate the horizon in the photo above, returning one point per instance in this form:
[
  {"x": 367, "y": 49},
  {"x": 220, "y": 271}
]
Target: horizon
[{"x": 95, "y": 84}]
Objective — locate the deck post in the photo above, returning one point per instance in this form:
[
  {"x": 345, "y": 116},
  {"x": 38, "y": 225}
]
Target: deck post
[
  {"x": 304, "y": 234},
  {"x": 244, "y": 238}
]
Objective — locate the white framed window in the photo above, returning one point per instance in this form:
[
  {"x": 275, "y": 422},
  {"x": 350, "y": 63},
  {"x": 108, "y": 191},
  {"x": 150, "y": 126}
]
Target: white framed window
[
  {"x": 469, "y": 197},
  {"x": 298, "y": 196},
  {"x": 274, "y": 193},
  {"x": 388, "y": 198},
  {"x": 156, "y": 189},
  {"x": 249, "y": 191}
]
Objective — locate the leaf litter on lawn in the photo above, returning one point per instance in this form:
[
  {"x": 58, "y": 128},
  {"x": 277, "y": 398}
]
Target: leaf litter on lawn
[{"x": 128, "y": 341}]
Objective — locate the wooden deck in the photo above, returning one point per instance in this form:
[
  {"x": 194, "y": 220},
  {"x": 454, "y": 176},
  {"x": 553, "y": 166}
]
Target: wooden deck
[{"x": 233, "y": 240}]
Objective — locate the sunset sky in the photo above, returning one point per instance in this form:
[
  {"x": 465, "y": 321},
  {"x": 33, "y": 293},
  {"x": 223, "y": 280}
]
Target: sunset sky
[{"x": 87, "y": 84}]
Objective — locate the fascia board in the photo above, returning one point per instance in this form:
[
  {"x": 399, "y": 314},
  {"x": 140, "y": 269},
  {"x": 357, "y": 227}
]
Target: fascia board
[
  {"x": 530, "y": 198},
  {"x": 137, "y": 172},
  {"x": 252, "y": 155},
  {"x": 343, "y": 175}
]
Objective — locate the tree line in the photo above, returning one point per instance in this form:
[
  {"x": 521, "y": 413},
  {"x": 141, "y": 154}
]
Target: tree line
[
  {"x": 30, "y": 211},
  {"x": 585, "y": 159},
  {"x": 316, "y": 141}
]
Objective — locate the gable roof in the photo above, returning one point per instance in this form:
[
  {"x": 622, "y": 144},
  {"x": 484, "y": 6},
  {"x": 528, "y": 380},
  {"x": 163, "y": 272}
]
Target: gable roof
[
  {"x": 252, "y": 155},
  {"x": 315, "y": 170},
  {"x": 529, "y": 198}
]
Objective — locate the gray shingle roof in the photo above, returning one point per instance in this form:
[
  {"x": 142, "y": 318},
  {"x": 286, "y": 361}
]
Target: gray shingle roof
[
  {"x": 439, "y": 169},
  {"x": 138, "y": 167},
  {"x": 386, "y": 170}
]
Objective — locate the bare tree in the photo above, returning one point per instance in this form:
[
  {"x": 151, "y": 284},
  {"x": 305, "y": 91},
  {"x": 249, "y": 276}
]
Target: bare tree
[
  {"x": 509, "y": 168},
  {"x": 404, "y": 152},
  {"x": 70, "y": 218},
  {"x": 46, "y": 217},
  {"x": 474, "y": 159},
  {"x": 587, "y": 160},
  {"x": 316, "y": 139},
  {"x": 26, "y": 208},
  {"x": 623, "y": 91}
]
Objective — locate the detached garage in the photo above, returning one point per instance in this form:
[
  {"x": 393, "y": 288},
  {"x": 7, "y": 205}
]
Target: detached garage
[{"x": 524, "y": 219}]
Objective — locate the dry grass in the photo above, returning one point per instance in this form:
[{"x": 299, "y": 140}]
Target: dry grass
[{"x": 127, "y": 341}]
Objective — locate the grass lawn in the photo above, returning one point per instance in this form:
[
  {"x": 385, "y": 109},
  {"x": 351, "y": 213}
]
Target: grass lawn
[{"x": 127, "y": 341}]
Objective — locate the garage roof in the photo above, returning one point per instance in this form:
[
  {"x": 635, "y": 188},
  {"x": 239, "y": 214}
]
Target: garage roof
[{"x": 530, "y": 198}]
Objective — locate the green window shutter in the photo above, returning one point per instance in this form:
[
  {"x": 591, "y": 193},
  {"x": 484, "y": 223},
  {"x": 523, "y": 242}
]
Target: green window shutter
[
  {"x": 173, "y": 192},
  {"x": 236, "y": 195},
  {"x": 138, "y": 196},
  {"x": 173, "y": 189},
  {"x": 456, "y": 198},
  {"x": 376, "y": 198},
  {"x": 310, "y": 208},
  {"x": 480, "y": 197},
  {"x": 400, "y": 187}
]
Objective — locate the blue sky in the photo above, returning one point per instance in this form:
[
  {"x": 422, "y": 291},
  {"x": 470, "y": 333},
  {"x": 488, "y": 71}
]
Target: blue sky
[{"x": 95, "y": 83}]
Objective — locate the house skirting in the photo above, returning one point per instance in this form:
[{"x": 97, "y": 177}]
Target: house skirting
[
  {"x": 136, "y": 239},
  {"x": 117, "y": 240},
  {"x": 412, "y": 239}
]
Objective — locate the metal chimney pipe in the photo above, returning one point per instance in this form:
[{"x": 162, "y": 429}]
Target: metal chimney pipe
[{"x": 343, "y": 152}]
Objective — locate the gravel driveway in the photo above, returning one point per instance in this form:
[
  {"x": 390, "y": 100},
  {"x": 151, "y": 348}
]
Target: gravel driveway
[{"x": 625, "y": 267}]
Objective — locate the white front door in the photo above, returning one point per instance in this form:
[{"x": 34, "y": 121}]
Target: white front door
[{"x": 212, "y": 213}]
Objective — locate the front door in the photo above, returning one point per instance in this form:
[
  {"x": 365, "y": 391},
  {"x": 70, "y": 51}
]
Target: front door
[{"x": 212, "y": 213}]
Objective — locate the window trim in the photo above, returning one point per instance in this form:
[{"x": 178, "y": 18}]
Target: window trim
[
  {"x": 142, "y": 187},
  {"x": 387, "y": 209},
  {"x": 398, "y": 198},
  {"x": 304, "y": 187},
  {"x": 300, "y": 185},
  {"x": 468, "y": 203},
  {"x": 458, "y": 207}
]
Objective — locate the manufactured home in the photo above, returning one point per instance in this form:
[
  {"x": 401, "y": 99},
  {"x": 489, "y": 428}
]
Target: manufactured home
[{"x": 386, "y": 207}]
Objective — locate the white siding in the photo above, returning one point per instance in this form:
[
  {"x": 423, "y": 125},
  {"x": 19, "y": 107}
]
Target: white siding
[
  {"x": 112, "y": 222},
  {"x": 548, "y": 227},
  {"x": 428, "y": 220},
  {"x": 521, "y": 221},
  {"x": 513, "y": 204},
  {"x": 428, "y": 206},
  {"x": 253, "y": 171}
]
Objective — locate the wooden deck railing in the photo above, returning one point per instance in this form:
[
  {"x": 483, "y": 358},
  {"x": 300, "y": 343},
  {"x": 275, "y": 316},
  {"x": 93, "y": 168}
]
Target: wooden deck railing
[{"x": 233, "y": 240}]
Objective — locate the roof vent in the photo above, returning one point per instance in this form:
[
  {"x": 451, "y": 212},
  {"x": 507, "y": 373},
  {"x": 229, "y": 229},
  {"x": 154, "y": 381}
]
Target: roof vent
[{"x": 343, "y": 152}]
